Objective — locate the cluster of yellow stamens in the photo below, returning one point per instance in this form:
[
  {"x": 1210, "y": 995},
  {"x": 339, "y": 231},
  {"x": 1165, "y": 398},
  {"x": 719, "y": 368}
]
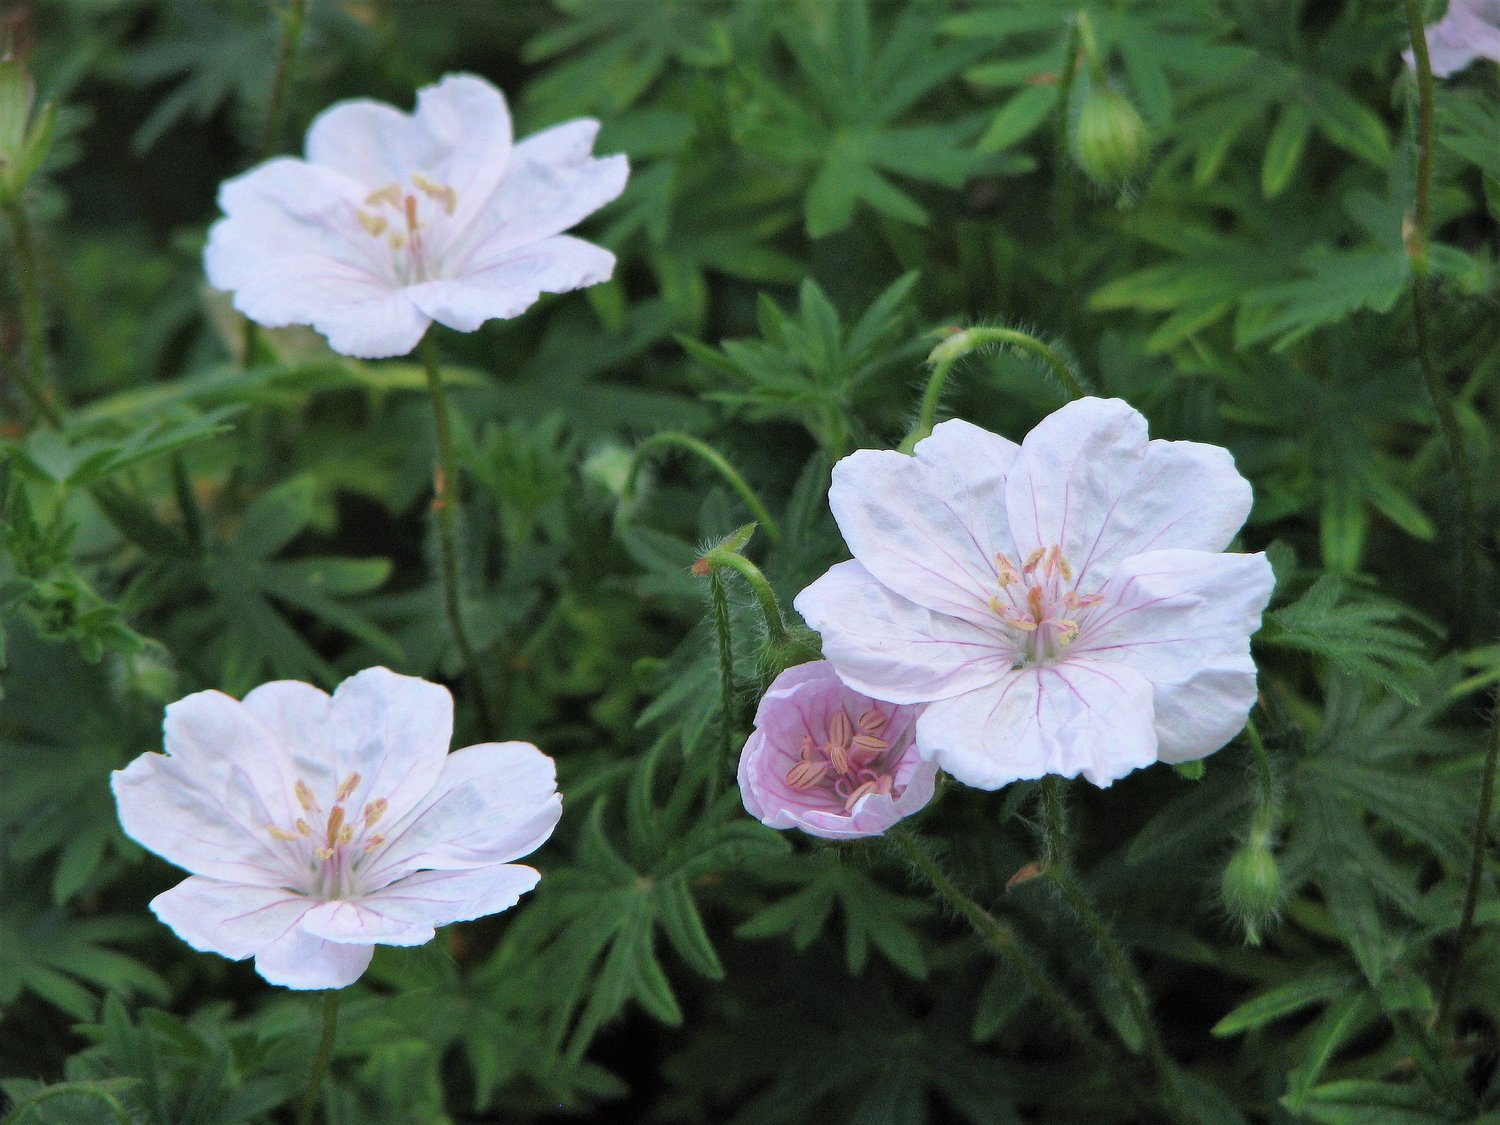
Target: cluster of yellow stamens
[
  {"x": 846, "y": 760},
  {"x": 1037, "y": 614},
  {"x": 405, "y": 206},
  {"x": 338, "y": 831}
]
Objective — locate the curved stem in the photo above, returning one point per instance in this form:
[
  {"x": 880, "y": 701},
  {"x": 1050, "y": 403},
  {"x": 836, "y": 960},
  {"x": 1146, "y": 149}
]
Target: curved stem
[
  {"x": 760, "y": 585},
  {"x": 320, "y": 1059},
  {"x": 1476, "y": 866},
  {"x": 444, "y": 500},
  {"x": 1437, "y": 387},
  {"x": 717, "y": 462},
  {"x": 292, "y": 22},
  {"x": 720, "y": 600},
  {"x": 931, "y": 396},
  {"x": 1060, "y": 870},
  {"x": 1265, "y": 813},
  {"x": 32, "y": 374}
]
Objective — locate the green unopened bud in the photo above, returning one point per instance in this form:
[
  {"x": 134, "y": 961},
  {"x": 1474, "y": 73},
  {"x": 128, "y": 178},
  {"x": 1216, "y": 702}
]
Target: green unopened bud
[
  {"x": 1109, "y": 139},
  {"x": 1251, "y": 887},
  {"x": 24, "y": 140},
  {"x": 609, "y": 467}
]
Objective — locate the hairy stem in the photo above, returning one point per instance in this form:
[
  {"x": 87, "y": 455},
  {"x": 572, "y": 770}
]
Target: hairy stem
[
  {"x": 31, "y": 375},
  {"x": 720, "y": 599},
  {"x": 444, "y": 501},
  {"x": 320, "y": 1059},
  {"x": 1265, "y": 811},
  {"x": 1476, "y": 866},
  {"x": 1437, "y": 387},
  {"x": 293, "y": 20},
  {"x": 1059, "y": 869},
  {"x": 715, "y": 460},
  {"x": 770, "y": 608}
]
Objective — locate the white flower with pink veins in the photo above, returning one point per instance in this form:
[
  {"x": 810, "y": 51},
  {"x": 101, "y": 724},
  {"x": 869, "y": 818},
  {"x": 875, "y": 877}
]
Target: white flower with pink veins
[
  {"x": 1062, "y": 605},
  {"x": 316, "y": 827},
  {"x": 397, "y": 220}
]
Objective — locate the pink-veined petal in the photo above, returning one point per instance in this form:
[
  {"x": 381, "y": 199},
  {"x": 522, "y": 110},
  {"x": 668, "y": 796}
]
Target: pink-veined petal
[
  {"x": 383, "y": 325},
  {"x": 407, "y": 912},
  {"x": 1183, "y": 619},
  {"x": 1079, "y": 717},
  {"x": 304, "y": 961},
  {"x": 929, "y": 526},
  {"x": 234, "y": 920},
  {"x": 492, "y": 803},
  {"x": 507, "y": 286},
  {"x": 460, "y": 135},
  {"x": 874, "y": 813},
  {"x": 890, "y": 648},
  {"x": 552, "y": 184}
]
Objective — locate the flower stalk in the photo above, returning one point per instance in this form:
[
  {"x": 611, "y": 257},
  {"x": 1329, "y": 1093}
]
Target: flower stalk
[
  {"x": 293, "y": 20},
  {"x": 320, "y": 1059},
  {"x": 719, "y": 599},
  {"x": 716, "y": 461},
  {"x": 1058, "y": 869},
  {"x": 31, "y": 374},
  {"x": 444, "y": 501}
]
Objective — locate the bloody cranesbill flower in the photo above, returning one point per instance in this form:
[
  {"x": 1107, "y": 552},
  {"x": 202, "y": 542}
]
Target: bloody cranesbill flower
[
  {"x": 395, "y": 220},
  {"x": 1469, "y": 30},
  {"x": 317, "y": 827},
  {"x": 1062, "y": 605},
  {"x": 830, "y": 761}
]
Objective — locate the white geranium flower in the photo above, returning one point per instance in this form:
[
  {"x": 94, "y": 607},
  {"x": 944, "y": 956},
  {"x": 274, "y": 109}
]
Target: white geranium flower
[
  {"x": 395, "y": 220},
  {"x": 1061, "y": 605},
  {"x": 317, "y": 827}
]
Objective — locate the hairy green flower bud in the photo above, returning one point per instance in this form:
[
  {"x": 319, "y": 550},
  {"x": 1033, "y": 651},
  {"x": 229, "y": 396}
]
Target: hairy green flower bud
[
  {"x": 1109, "y": 139},
  {"x": 800, "y": 645},
  {"x": 1251, "y": 887}
]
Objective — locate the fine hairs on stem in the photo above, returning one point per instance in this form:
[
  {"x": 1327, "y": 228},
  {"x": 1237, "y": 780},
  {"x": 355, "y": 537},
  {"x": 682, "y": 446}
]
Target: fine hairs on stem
[{"x": 444, "y": 500}]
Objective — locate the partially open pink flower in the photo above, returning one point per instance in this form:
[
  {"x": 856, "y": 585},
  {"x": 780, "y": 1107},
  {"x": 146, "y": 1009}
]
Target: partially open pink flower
[
  {"x": 1470, "y": 30},
  {"x": 396, "y": 220},
  {"x": 317, "y": 827},
  {"x": 1060, "y": 605},
  {"x": 830, "y": 761}
]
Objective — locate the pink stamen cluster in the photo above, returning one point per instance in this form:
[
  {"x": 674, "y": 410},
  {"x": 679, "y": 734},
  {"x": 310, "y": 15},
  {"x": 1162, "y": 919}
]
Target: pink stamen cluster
[
  {"x": 334, "y": 861},
  {"x": 409, "y": 251},
  {"x": 1040, "y": 602},
  {"x": 848, "y": 764}
]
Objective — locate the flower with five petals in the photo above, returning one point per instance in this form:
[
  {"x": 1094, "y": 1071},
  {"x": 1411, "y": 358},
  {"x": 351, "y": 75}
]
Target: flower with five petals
[
  {"x": 397, "y": 220},
  {"x": 316, "y": 827},
  {"x": 1062, "y": 606}
]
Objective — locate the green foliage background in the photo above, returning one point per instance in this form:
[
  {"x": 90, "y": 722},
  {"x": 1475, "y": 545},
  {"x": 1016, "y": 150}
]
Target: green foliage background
[{"x": 816, "y": 186}]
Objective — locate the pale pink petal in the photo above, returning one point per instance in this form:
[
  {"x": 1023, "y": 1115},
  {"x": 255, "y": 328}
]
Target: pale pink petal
[
  {"x": 1470, "y": 30},
  {"x": 929, "y": 526},
  {"x": 1080, "y": 717},
  {"x": 508, "y": 285},
  {"x": 233, "y": 920},
  {"x": 492, "y": 803},
  {"x": 1183, "y": 619},
  {"x": 407, "y": 912},
  {"x": 890, "y": 648},
  {"x": 220, "y": 746},
  {"x": 552, "y": 184},
  {"x": 301, "y": 960},
  {"x": 169, "y": 808},
  {"x": 876, "y": 812},
  {"x": 300, "y": 718},
  {"x": 394, "y": 732},
  {"x": 383, "y": 325},
  {"x": 460, "y": 135}
]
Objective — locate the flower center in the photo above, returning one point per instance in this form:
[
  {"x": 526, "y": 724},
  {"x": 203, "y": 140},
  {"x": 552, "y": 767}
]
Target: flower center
[
  {"x": 1039, "y": 604},
  {"x": 852, "y": 762},
  {"x": 331, "y": 855},
  {"x": 402, "y": 220}
]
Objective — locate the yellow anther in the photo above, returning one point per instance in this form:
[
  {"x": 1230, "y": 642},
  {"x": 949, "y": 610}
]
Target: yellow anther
[
  {"x": 1067, "y": 632},
  {"x": 280, "y": 833},
  {"x": 304, "y": 795},
  {"x": 840, "y": 730},
  {"x": 350, "y": 784},
  {"x": 997, "y": 607},
  {"x": 374, "y": 224},
  {"x": 1019, "y": 623},
  {"x": 390, "y": 195},
  {"x": 839, "y": 756},
  {"x": 374, "y": 811},
  {"x": 442, "y": 193},
  {"x": 346, "y": 834},
  {"x": 396, "y": 241},
  {"x": 1034, "y": 601},
  {"x": 324, "y": 853},
  {"x": 303, "y": 828},
  {"x": 871, "y": 721},
  {"x": 335, "y": 822},
  {"x": 853, "y": 799},
  {"x": 374, "y": 842},
  {"x": 872, "y": 743},
  {"x": 1005, "y": 571},
  {"x": 1031, "y": 560},
  {"x": 1064, "y": 569}
]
